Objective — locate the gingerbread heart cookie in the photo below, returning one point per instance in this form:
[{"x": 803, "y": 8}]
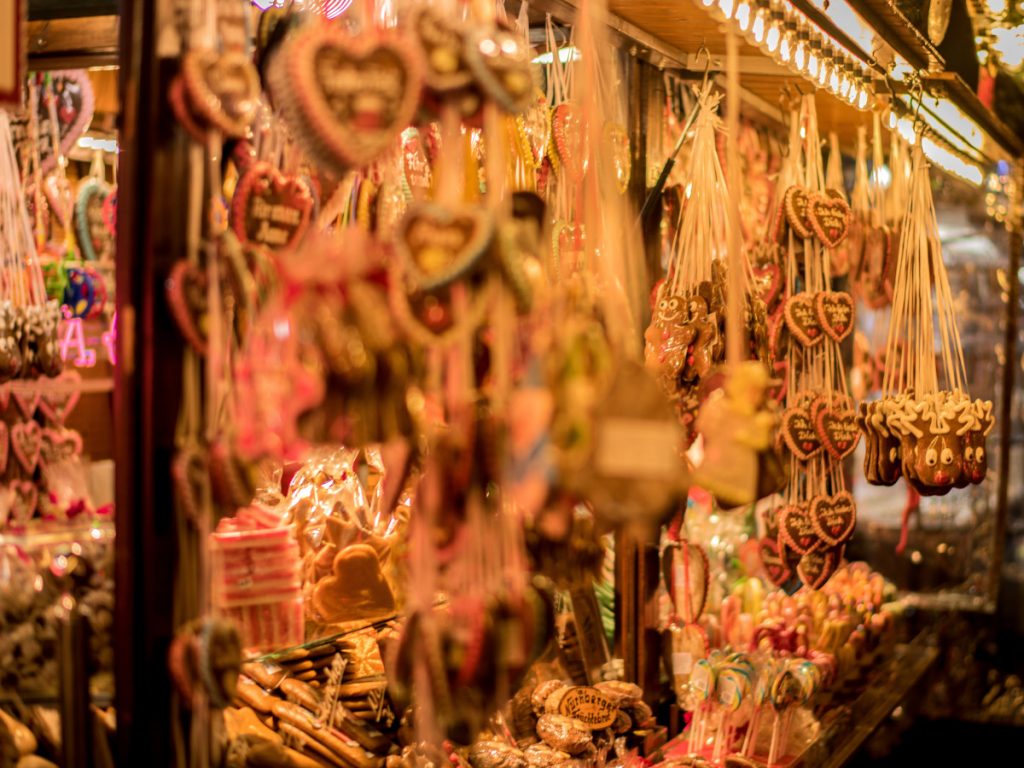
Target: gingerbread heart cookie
[
  {"x": 796, "y": 529},
  {"x": 223, "y": 88},
  {"x": 356, "y": 590},
  {"x": 774, "y": 564},
  {"x": 347, "y": 97},
  {"x": 186, "y": 297},
  {"x": 834, "y": 517},
  {"x": 802, "y": 319},
  {"x": 26, "y": 442},
  {"x": 58, "y": 445},
  {"x": 795, "y": 203},
  {"x": 837, "y": 428},
  {"x": 269, "y": 209},
  {"x": 500, "y": 61},
  {"x": 835, "y": 312},
  {"x": 58, "y": 401},
  {"x": 24, "y": 498},
  {"x": 444, "y": 41},
  {"x": 439, "y": 244},
  {"x": 768, "y": 284},
  {"x": 569, "y": 136},
  {"x": 799, "y": 433},
  {"x": 829, "y": 218},
  {"x": 816, "y": 568}
]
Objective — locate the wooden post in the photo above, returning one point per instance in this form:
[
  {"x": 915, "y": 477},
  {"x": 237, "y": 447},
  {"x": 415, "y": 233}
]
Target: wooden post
[{"x": 147, "y": 390}]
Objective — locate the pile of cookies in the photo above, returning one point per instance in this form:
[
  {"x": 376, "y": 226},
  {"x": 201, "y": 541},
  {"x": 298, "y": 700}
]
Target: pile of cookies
[
  {"x": 313, "y": 724},
  {"x": 556, "y": 724}
]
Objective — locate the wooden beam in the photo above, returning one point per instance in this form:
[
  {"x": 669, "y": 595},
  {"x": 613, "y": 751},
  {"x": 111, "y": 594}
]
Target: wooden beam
[{"x": 63, "y": 43}]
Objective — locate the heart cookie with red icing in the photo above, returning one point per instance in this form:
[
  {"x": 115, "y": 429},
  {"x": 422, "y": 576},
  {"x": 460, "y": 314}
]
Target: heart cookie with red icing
[
  {"x": 774, "y": 563},
  {"x": 570, "y": 139},
  {"x": 59, "y": 445},
  {"x": 58, "y": 401},
  {"x": 26, "y": 442},
  {"x": 799, "y": 432},
  {"x": 439, "y": 244},
  {"x": 829, "y": 218},
  {"x": 802, "y": 319},
  {"x": 270, "y": 209},
  {"x": 835, "y": 312},
  {"x": 816, "y": 568},
  {"x": 500, "y": 61},
  {"x": 834, "y": 517},
  {"x": 24, "y": 497},
  {"x": 796, "y": 529},
  {"x": 223, "y": 88},
  {"x": 837, "y": 428},
  {"x": 186, "y": 296},
  {"x": 347, "y": 97},
  {"x": 795, "y": 204}
]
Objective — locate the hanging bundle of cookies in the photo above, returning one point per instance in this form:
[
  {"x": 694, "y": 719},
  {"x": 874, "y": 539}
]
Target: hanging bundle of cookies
[
  {"x": 28, "y": 320},
  {"x": 816, "y": 517},
  {"x": 925, "y": 427},
  {"x": 685, "y": 341}
]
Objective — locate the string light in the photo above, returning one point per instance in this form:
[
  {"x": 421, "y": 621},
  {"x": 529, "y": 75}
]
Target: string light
[
  {"x": 814, "y": 59},
  {"x": 760, "y": 22},
  {"x": 726, "y": 6},
  {"x": 742, "y": 15},
  {"x": 788, "y": 42},
  {"x": 800, "y": 52},
  {"x": 862, "y": 100},
  {"x": 774, "y": 34}
]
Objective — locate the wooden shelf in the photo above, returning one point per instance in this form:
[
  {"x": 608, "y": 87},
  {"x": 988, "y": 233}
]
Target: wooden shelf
[{"x": 893, "y": 27}]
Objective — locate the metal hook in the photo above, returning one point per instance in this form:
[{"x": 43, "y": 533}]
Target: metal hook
[{"x": 707, "y": 66}]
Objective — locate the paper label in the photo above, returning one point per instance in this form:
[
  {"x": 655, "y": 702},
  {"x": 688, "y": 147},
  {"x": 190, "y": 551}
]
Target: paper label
[{"x": 682, "y": 663}]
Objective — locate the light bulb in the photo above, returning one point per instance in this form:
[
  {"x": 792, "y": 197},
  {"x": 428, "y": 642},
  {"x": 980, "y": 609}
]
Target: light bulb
[
  {"x": 833, "y": 80},
  {"x": 771, "y": 40},
  {"x": 844, "y": 85},
  {"x": 853, "y": 94},
  {"x": 800, "y": 56},
  {"x": 757, "y": 27},
  {"x": 787, "y": 43},
  {"x": 708, "y": 3},
  {"x": 862, "y": 101},
  {"x": 726, "y": 6},
  {"x": 742, "y": 15}
]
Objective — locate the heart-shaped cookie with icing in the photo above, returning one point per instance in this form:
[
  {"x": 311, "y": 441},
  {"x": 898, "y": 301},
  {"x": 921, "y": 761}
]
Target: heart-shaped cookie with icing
[
  {"x": 24, "y": 497},
  {"x": 444, "y": 42},
  {"x": 347, "y": 97},
  {"x": 500, "y": 61},
  {"x": 768, "y": 283},
  {"x": 774, "y": 564},
  {"x": 816, "y": 568},
  {"x": 270, "y": 209},
  {"x": 59, "y": 445},
  {"x": 829, "y": 218},
  {"x": 837, "y": 428},
  {"x": 186, "y": 296},
  {"x": 797, "y": 530},
  {"x": 836, "y": 313},
  {"x": 27, "y": 401},
  {"x": 799, "y": 433},
  {"x": 795, "y": 203},
  {"x": 834, "y": 517},
  {"x": 802, "y": 319},
  {"x": 26, "y": 442},
  {"x": 57, "y": 402},
  {"x": 439, "y": 244},
  {"x": 223, "y": 88},
  {"x": 570, "y": 139}
]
